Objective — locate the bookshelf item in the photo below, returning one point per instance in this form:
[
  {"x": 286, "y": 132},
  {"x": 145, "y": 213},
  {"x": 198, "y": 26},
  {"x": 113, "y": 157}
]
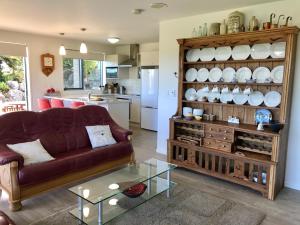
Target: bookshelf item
[{"x": 236, "y": 152}]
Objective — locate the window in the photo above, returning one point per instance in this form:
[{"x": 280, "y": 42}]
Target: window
[
  {"x": 13, "y": 94},
  {"x": 82, "y": 74}
]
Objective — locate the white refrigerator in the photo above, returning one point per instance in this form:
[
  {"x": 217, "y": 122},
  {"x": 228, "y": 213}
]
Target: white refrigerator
[{"x": 149, "y": 98}]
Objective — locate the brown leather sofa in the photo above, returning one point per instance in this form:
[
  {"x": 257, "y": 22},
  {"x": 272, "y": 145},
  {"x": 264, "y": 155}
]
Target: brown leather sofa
[
  {"x": 5, "y": 220},
  {"x": 62, "y": 133}
]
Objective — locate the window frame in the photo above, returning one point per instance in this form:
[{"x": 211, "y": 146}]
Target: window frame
[{"x": 81, "y": 74}]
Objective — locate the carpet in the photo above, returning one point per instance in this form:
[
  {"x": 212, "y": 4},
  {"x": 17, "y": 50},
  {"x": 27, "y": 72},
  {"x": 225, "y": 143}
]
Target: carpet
[{"x": 187, "y": 206}]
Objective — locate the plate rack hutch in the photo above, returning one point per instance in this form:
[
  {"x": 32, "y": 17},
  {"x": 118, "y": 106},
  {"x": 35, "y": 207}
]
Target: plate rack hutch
[{"x": 238, "y": 153}]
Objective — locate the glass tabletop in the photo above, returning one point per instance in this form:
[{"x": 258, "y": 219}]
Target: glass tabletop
[{"x": 105, "y": 187}]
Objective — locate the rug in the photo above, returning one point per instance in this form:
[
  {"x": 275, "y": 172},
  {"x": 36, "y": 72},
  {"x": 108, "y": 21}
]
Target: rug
[{"x": 187, "y": 206}]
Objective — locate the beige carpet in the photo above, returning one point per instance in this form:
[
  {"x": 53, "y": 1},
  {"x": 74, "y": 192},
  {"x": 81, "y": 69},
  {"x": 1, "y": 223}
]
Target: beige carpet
[{"x": 187, "y": 206}]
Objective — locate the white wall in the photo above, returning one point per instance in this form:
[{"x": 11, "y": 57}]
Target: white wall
[
  {"x": 38, "y": 45},
  {"x": 168, "y": 53}
]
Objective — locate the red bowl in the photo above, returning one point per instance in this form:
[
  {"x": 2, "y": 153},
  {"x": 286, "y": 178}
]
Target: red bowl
[{"x": 135, "y": 191}]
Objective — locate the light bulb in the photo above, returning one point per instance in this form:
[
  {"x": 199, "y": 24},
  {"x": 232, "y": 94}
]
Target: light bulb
[
  {"x": 62, "y": 50},
  {"x": 83, "y": 48}
]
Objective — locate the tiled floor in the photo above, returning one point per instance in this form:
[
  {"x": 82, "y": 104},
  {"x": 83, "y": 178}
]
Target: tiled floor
[{"x": 285, "y": 210}]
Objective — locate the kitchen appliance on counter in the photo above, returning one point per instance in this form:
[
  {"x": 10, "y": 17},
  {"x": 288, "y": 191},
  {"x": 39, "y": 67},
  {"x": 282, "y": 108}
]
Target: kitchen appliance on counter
[
  {"x": 149, "y": 97},
  {"x": 121, "y": 90}
]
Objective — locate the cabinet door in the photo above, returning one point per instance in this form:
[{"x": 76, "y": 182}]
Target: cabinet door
[
  {"x": 149, "y": 58},
  {"x": 135, "y": 109}
]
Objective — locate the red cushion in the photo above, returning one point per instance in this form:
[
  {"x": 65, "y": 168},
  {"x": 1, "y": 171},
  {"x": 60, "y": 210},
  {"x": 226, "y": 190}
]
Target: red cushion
[
  {"x": 69, "y": 162},
  {"x": 57, "y": 103},
  {"x": 43, "y": 103},
  {"x": 77, "y": 104}
]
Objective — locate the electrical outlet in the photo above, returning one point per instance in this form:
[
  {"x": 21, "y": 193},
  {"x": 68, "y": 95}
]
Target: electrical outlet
[{"x": 172, "y": 93}]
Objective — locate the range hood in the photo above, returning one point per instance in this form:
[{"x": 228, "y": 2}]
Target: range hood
[{"x": 133, "y": 56}]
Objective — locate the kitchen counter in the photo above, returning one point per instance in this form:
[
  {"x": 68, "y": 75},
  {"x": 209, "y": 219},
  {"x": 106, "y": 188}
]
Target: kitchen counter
[{"x": 117, "y": 108}]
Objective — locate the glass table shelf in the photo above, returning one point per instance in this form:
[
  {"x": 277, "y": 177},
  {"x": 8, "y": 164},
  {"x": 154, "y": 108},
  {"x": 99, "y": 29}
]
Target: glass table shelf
[
  {"x": 101, "y": 200},
  {"x": 119, "y": 204}
]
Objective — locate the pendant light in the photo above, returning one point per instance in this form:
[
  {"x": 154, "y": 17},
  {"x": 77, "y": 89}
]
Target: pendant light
[
  {"x": 83, "y": 47},
  {"x": 62, "y": 49}
]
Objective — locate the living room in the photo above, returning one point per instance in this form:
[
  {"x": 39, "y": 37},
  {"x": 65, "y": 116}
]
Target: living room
[{"x": 208, "y": 88}]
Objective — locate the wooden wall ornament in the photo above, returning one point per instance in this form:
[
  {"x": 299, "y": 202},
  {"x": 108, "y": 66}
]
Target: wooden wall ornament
[{"x": 47, "y": 63}]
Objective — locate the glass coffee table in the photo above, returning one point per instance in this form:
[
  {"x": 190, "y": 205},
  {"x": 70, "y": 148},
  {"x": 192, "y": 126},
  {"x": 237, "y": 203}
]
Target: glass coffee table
[{"x": 101, "y": 200}]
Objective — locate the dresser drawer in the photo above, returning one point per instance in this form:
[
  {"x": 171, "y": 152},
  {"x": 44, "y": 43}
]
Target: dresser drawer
[
  {"x": 220, "y": 129},
  {"x": 215, "y": 144},
  {"x": 220, "y": 136}
]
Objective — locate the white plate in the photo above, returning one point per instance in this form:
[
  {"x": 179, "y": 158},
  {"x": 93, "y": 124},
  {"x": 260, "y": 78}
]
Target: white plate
[
  {"x": 212, "y": 96},
  {"x": 261, "y": 51},
  {"x": 215, "y": 74},
  {"x": 243, "y": 74},
  {"x": 193, "y": 55},
  {"x": 241, "y": 52},
  {"x": 278, "y": 50},
  {"x": 191, "y": 94},
  {"x": 191, "y": 74},
  {"x": 256, "y": 98},
  {"x": 272, "y": 99},
  {"x": 261, "y": 74},
  {"x": 202, "y": 75},
  {"x": 207, "y": 54},
  {"x": 277, "y": 74},
  {"x": 226, "y": 97},
  {"x": 228, "y": 74},
  {"x": 223, "y": 53},
  {"x": 201, "y": 93},
  {"x": 240, "y": 99}
]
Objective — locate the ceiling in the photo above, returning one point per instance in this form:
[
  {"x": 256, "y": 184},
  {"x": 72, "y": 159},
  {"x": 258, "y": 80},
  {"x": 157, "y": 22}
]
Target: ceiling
[{"x": 103, "y": 18}]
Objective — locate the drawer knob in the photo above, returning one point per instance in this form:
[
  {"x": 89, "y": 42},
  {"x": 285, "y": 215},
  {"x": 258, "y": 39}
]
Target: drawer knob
[
  {"x": 225, "y": 138},
  {"x": 210, "y": 135},
  {"x": 210, "y": 129},
  {"x": 223, "y": 146},
  {"x": 208, "y": 143},
  {"x": 225, "y": 131}
]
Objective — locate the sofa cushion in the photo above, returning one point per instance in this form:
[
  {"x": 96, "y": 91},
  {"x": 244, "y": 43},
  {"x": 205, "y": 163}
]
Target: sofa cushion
[
  {"x": 60, "y": 142},
  {"x": 73, "y": 161},
  {"x": 32, "y": 152},
  {"x": 100, "y": 135}
]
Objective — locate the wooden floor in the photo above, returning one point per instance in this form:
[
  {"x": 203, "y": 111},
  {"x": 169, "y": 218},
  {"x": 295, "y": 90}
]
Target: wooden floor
[{"x": 285, "y": 210}]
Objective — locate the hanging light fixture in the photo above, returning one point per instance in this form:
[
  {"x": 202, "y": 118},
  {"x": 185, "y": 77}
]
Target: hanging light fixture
[
  {"x": 113, "y": 40},
  {"x": 83, "y": 47},
  {"x": 62, "y": 49}
]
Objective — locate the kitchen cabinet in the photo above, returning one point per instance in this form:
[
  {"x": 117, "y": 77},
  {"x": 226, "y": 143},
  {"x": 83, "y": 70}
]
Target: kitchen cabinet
[
  {"x": 135, "y": 109},
  {"x": 150, "y": 58},
  {"x": 115, "y": 60}
]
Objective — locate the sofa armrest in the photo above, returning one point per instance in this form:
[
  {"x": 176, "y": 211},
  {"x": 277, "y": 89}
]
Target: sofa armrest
[
  {"x": 119, "y": 133},
  {"x": 8, "y": 156}
]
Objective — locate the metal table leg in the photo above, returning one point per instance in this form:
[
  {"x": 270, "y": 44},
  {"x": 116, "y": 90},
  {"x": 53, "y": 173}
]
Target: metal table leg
[
  {"x": 169, "y": 183},
  {"x": 100, "y": 213}
]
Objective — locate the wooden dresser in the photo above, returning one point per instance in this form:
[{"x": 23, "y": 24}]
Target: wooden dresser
[{"x": 237, "y": 153}]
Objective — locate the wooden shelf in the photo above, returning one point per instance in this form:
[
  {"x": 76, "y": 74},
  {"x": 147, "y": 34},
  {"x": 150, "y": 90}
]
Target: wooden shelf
[
  {"x": 230, "y": 61},
  {"x": 237, "y": 127},
  {"x": 234, "y": 105},
  {"x": 229, "y": 83},
  {"x": 254, "y": 140},
  {"x": 248, "y": 155},
  {"x": 253, "y": 150},
  {"x": 263, "y": 151}
]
